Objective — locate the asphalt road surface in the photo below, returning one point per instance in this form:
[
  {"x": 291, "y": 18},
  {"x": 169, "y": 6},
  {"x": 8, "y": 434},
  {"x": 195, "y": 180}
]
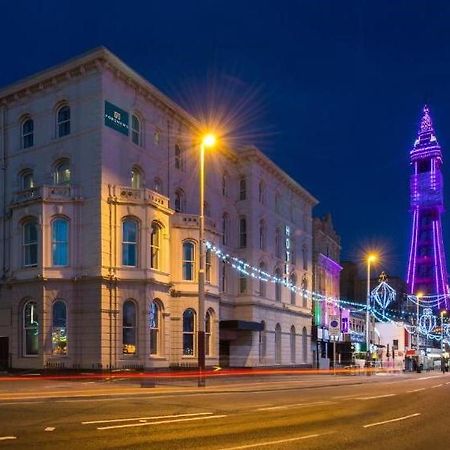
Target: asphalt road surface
[{"x": 378, "y": 412}]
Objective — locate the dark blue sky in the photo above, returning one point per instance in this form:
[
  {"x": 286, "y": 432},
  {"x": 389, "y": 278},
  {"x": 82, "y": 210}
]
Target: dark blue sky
[{"x": 334, "y": 88}]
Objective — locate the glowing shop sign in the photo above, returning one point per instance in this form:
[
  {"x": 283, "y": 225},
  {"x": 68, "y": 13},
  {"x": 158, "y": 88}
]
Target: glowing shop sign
[{"x": 287, "y": 258}]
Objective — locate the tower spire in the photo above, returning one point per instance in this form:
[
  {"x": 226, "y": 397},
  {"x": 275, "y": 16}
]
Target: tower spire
[{"x": 426, "y": 124}]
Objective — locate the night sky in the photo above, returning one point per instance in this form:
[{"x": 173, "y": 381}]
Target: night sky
[{"x": 332, "y": 91}]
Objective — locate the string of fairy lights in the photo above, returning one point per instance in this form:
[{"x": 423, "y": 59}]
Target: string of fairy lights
[{"x": 381, "y": 297}]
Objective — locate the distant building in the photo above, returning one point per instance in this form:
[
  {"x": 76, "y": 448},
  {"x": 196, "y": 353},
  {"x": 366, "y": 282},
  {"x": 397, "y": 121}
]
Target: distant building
[
  {"x": 99, "y": 232},
  {"x": 326, "y": 274}
]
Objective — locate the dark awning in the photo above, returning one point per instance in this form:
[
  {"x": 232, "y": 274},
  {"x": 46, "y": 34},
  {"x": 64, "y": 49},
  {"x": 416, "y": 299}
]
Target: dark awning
[{"x": 241, "y": 325}]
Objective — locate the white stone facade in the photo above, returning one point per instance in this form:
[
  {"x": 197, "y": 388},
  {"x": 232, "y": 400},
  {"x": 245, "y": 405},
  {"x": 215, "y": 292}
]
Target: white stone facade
[{"x": 93, "y": 178}]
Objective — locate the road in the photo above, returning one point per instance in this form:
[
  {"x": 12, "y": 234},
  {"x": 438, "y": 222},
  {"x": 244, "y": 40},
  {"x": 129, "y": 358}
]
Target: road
[{"x": 378, "y": 412}]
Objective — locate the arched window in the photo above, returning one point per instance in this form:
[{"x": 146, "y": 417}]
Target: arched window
[
  {"x": 278, "y": 243},
  {"x": 242, "y": 232},
  {"x": 262, "y": 234},
  {"x": 129, "y": 328},
  {"x": 27, "y": 133},
  {"x": 277, "y": 344},
  {"x": 155, "y": 244},
  {"x": 305, "y": 344},
  {"x": 59, "y": 329},
  {"x": 225, "y": 229},
  {"x": 26, "y": 179},
  {"x": 180, "y": 202},
  {"x": 155, "y": 327},
  {"x": 278, "y": 285},
  {"x": 60, "y": 242},
  {"x": 30, "y": 243},
  {"x": 136, "y": 135},
  {"x": 62, "y": 173},
  {"x": 179, "y": 163},
  {"x": 136, "y": 178},
  {"x": 262, "y": 280},
  {"x": 305, "y": 292},
  {"x": 157, "y": 185},
  {"x": 63, "y": 121},
  {"x": 208, "y": 265},
  {"x": 30, "y": 329},
  {"x": 262, "y": 342},
  {"x": 242, "y": 188},
  {"x": 293, "y": 288},
  {"x": 292, "y": 346},
  {"x": 208, "y": 333},
  {"x": 242, "y": 282},
  {"x": 188, "y": 260},
  {"x": 129, "y": 242},
  {"x": 189, "y": 332},
  {"x": 223, "y": 277},
  {"x": 261, "y": 192}
]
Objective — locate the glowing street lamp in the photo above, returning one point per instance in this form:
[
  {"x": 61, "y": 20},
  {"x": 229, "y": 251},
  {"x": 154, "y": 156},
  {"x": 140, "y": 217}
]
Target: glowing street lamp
[
  {"x": 208, "y": 141},
  {"x": 371, "y": 258}
]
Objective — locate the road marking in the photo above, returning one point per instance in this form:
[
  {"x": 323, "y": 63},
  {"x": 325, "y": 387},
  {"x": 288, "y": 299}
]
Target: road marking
[
  {"x": 375, "y": 396},
  {"x": 448, "y": 382},
  {"x": 428, "y": 378},
  {"x": 50, "y": 429},
  {"x": 417, "y": 390},
  {"x": 7, "y": 438},
  {"x": 295, "y": 405},
  {"x": 130, "y": 419},
  {"x": 281, "y": 441},
  {"x": 437, "y": 385},
  {"x": 392, "y": 420},
  {"x": 188, "y": 419},
  {"x": 19, "y": 403}
]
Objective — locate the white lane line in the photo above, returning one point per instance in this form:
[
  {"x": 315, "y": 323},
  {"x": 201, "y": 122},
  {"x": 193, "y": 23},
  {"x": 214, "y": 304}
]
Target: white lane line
[
  {"x": 7, "y": 438},
  {"x": 392, "y": 420},
  {"x": 281, "y": 441},
  {"x": 19, "y": 403},
  {"x": 295, "y": 405},
  {"x": 417, "y": 390},
  {"x": 428, "y": 378},
  {"x": 50, "y": 429},
  {"x": 130, "y": 419},
  {"x": 437, "y": 385},
  {"x": 375, "y": 396},
  {"x": 188, "y": 419}
]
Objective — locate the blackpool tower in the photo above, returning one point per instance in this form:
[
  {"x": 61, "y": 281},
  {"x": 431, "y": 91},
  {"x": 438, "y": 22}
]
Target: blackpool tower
[{"x": 427, "y": 270}]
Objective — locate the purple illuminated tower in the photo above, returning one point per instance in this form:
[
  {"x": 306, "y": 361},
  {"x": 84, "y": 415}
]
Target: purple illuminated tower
[{"x": 427, "y": 270}]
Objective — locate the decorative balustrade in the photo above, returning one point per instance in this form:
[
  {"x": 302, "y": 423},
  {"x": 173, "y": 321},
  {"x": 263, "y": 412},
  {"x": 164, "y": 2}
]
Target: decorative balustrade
[
  {"x": 45, "y": 193},
  {"x": 127, "y": 194}
]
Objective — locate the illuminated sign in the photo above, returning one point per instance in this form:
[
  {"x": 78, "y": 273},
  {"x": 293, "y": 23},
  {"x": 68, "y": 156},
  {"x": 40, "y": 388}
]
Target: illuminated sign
[
  {"x": 287, "y": 258},
  {"x": 116, "y": 118}
]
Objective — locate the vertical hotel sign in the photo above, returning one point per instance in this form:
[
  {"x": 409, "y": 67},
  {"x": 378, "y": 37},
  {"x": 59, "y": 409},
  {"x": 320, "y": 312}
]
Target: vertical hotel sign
[
  {"x": 116, "y": 118},
  {"x": 287, "y": 256}
]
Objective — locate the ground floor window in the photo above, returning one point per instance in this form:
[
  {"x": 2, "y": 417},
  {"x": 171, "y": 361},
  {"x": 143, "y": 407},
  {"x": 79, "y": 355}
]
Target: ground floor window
[
  {"x": 59, "y": 329},
  {"x": 189, "y": 332},
  {"x": 30, "y": 329}
]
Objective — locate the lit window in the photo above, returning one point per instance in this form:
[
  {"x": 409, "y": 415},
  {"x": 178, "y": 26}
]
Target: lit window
[
  {"x": 129, "y": 328},
  {"x": 242, "y": 232},
  {"x": 60, "y": 242},
  {"x": 27, "y": 133},
  {"x": 189, "y": 333},
  {"x": 27, "y": 181},
  {"x": 30, "y": 243},
  {"x": 59, "y": 329},
  {"x": 136, "y": 130},
  {"x": 63, "y": 121},
  {"x": 129, "y": 242},
  {"x": 62, "y": 173},
  {"x": 30, "y": 329},
  {"x": 155, "y": 315},
  {"x": 155, "y": 243},
  {"x": 136, "y": 178},
  {"x": 188, "y": 261}
]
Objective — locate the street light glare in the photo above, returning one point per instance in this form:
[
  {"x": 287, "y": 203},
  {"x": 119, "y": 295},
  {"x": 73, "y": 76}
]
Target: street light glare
[
  {"x": 372, "y": 258},
  {"x": 209, "y": 140}
]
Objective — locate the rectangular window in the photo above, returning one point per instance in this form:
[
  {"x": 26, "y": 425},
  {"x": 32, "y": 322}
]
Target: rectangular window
[
  {"x": 242, "y": 232},
  {"x": 208, "y": 266},
  {"x": 188, "y": 261},
  {"x": 242, "y": 189}
]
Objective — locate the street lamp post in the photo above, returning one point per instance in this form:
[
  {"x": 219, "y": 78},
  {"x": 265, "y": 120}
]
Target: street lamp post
[
  {"x": 442, "y": 331},
  {"x": 370, "y": 259},
  {"x": 208, "y": 141},
  {"x": 418, "y": 297}
]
